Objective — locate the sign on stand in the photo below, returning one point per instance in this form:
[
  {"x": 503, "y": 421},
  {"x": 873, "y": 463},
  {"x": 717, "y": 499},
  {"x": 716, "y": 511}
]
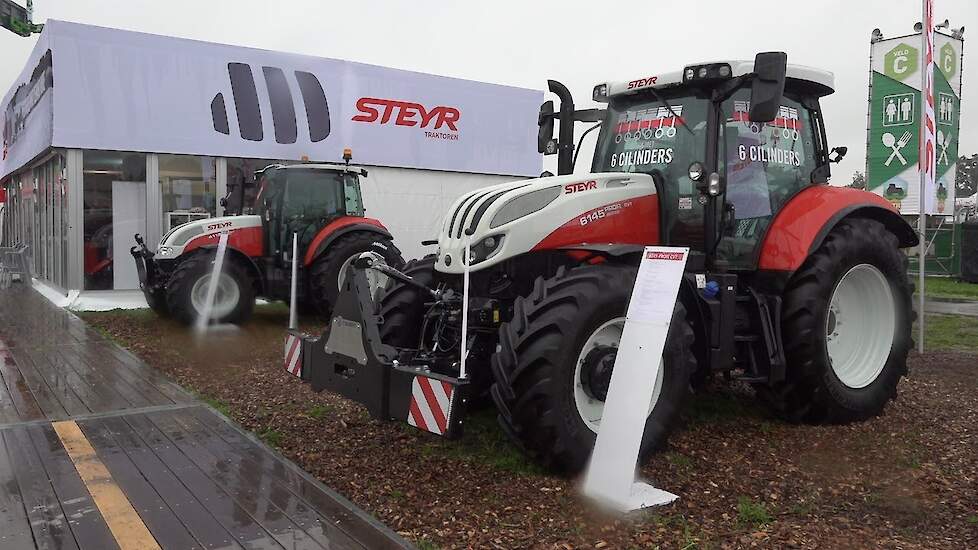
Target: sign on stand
[{"x": 610, "y": 478}]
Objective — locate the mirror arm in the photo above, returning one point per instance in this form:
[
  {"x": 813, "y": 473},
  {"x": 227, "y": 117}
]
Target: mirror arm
[{"x": 727, "y": 89}]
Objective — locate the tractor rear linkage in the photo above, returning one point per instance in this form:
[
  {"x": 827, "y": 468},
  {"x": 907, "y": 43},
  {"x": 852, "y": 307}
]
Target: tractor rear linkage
[{"x": 350, "y": 359}]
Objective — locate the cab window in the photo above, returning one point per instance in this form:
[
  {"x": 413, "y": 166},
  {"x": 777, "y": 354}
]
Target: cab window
[
  {"x": 765, "y": 165},
  {"x": 643, "y": 134}
]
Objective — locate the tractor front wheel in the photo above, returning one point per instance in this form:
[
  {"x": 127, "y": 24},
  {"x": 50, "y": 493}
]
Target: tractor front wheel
[
  {"x": 186, "y": 291},
  {"x": 555, "y": 359},
  {"x": 847, "y": 319},
  {"x": 330, "y": 268}
]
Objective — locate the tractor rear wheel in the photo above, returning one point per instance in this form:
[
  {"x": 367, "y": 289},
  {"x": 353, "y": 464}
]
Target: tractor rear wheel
[
  {"x": 555, "y": 359},
  {"x": 186, "y": 291},
  {"x": 847, "y": 319},
  {"x": 329, "y": 270},
  {"x": 402, "y": 306}
]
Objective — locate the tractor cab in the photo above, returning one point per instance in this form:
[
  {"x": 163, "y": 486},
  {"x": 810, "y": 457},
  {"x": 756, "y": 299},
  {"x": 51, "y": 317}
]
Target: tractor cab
[
  {"x": 302, "y": 199},
  {"x": 727, "y": 143}
]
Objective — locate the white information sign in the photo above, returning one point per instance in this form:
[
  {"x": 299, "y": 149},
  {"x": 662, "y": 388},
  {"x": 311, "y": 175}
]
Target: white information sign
[{"x": 610, "y": 477}]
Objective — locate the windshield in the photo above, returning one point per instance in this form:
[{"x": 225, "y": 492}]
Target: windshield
[{"x": 642, "y": 134}]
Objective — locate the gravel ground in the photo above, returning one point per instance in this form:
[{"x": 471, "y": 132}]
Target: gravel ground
[{"x": 908, "y": 479}]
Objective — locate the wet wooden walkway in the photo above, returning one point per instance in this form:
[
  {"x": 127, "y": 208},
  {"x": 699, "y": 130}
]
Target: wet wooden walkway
[{"x": 100, "y": 451}]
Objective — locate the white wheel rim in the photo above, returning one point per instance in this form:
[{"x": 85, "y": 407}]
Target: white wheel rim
[
  {"x": 375, "y": 279},
  {"x": 591, "y": 409},
  {"x": 860, "y": 326},
  {"x": 225, "y": 298}
]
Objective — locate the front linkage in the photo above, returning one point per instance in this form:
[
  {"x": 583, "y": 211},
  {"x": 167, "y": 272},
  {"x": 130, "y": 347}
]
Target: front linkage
[
  {"x": 146, "y": 268},
  {"x": 350, "y": 359}
]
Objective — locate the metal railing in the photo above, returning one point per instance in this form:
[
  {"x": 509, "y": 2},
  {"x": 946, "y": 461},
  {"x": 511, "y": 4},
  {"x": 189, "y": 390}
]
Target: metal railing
[{"x": 14, "y": 264}]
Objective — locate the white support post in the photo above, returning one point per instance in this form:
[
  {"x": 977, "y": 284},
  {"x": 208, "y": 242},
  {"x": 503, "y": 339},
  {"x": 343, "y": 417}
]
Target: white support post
[
  {"x": 293, "y": 313},
  {"x": 465, "y": 307}
]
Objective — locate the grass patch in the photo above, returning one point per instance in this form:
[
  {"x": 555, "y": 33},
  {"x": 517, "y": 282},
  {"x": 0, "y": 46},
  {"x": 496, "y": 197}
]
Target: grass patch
[
  {"x": 708, "y": 408},
  {"x": 424, "y": 544},
  {"x": 217, "y": 404},
  {"x": 319, "y": 411},
  {"x": 973, "y": 520},
  {"x": 801, "y": 508},
  {"x": 484, "y": 442},
  {"x": 950, "y": 332},
  {"x": 679, "y": 460},
  {"x": 752, "y": 514},
  {"x": 949, "y": 287},
  {"x": 271, "y": 436}
]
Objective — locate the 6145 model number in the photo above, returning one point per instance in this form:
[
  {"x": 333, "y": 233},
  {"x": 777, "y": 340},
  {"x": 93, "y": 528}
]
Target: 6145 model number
[{"x": 603, "y": 212}]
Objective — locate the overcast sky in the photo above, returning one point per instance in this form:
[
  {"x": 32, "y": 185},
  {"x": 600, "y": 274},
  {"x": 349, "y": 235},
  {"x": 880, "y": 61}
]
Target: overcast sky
[{"x": 523, "y": 43}]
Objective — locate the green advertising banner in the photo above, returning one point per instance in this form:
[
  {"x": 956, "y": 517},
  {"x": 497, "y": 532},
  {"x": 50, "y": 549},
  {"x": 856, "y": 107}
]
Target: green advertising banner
[{"x": 893, "y": 135}]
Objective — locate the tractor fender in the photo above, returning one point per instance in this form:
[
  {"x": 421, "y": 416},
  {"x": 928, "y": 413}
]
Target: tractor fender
[
  {"x": 245, "y": 260},
  {"x": 802, "y": 225},
  {"x": 337, "y": 228}
]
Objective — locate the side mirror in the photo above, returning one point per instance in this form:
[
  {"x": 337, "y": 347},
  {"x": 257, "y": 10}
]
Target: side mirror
[
  {"x": 546, "y": 174},
  {"x": 837, "y": 154},
  {"x": 545, "y": 135},
  {"x": 767, "y": 88}
]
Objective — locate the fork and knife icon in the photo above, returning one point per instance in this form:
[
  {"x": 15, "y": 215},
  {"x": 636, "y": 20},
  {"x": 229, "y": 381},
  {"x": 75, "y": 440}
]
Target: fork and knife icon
[
  {"x": 944, "y": 140},
  {"x": 889, "y": 140}
]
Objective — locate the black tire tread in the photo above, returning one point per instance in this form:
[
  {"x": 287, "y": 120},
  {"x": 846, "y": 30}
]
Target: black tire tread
[
  {"x": 181, "y": 282},
  {"x": 401, "y": 306},
  {"x": 322, "y": 276},
  {"x": 524, "y": 366},
  {"x": 805, "y": 395}
]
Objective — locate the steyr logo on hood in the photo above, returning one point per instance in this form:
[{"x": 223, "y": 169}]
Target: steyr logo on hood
[
  {"x": 406, "y": 113},
  {"x": 281, "y": 104}
]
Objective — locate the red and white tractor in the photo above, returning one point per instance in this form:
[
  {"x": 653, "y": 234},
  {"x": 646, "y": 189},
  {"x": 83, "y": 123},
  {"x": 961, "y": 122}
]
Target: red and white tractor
[
  {"x": 321, "y": 203},
  {"x": 794, "y": 286}
]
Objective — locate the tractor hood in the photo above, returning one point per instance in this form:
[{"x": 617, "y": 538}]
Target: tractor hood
[
  {"x": 509, "y": 219},
  {"x": 175, "y": 240}
]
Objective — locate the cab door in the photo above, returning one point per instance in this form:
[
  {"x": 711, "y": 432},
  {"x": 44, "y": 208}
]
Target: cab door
[
  {"x": 313, "y": 198},
  {"x": 764, "y": 165}
]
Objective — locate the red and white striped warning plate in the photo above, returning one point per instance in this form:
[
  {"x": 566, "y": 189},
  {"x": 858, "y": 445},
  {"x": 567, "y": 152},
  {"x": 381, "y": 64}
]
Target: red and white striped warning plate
[
  {"x": 293, "y": 355},
  {"x": 431, "y": 404}
]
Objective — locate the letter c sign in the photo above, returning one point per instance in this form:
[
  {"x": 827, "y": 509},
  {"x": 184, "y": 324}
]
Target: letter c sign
[{"x": 900, "y": 64}]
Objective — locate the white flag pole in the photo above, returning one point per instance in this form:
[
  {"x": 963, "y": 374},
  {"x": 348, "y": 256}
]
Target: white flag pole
[{"x": 926, "y": 164}]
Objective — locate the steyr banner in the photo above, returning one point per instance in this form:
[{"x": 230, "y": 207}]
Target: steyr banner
[
  {"x": 896, "y": 113},
  {"x": 91, "y": 87}
]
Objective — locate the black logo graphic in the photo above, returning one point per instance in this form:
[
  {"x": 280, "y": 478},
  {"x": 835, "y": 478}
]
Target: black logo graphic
[{"x": 246, "y": 105}]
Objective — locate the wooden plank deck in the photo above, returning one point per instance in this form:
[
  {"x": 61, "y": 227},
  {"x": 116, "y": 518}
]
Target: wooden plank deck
[{"x": 194, "y": 479}]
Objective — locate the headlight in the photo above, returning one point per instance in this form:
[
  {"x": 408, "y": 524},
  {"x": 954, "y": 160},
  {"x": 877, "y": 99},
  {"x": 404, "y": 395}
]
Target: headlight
[
  {"x": 164, "y": 250},
  {"x": 484, "y": 249},
  {"x": 524, "y": 205},
  {"x": 600, "y": 93}
]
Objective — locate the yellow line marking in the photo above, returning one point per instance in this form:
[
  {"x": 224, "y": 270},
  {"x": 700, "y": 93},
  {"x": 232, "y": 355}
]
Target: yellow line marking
[{"x": 125, "y": 524}]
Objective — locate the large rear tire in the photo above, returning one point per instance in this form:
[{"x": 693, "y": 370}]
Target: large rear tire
[
  {"x": 847, "y": 319},
  {"x": 542, "y": 368},
  {"x": 402, "y": 306},
  {"x": 330, "y": 268},
  {"x": 187, "y": 289}
]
